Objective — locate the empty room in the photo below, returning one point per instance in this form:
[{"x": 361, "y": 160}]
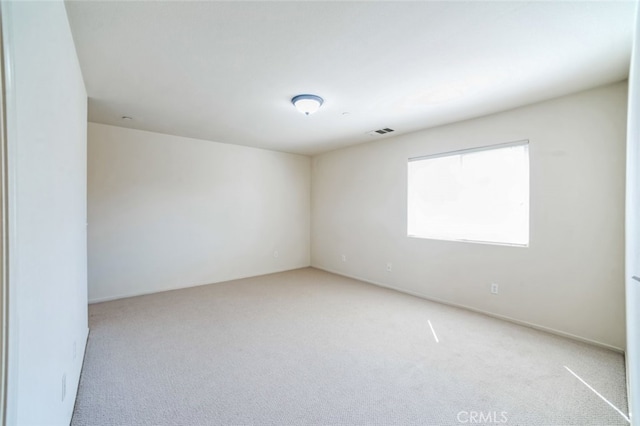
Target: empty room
[{"x": 319, "y": 213}]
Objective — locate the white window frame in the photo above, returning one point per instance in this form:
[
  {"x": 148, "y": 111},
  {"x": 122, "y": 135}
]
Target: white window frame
[{"x": 461, "y": 153}]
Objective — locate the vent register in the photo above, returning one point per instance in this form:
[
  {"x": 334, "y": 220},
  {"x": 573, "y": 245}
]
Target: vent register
[{"x": 380, "y": 132}]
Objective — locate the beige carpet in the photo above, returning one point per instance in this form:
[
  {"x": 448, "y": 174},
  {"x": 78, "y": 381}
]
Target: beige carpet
[{"x": 307, "y": 347}]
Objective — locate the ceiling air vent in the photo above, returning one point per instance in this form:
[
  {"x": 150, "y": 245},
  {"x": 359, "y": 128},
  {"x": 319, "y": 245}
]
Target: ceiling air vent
[{"x": 380, "y": 132}]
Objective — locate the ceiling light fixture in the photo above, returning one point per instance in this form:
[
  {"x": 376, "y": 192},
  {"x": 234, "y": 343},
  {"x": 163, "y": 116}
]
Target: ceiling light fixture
[{"x": 307, "y": 104}]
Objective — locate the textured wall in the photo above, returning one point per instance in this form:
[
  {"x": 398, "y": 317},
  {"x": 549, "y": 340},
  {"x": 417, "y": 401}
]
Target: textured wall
[
  {"x": 47, "y": 141},
  {"x": 167, "y": 212},
  {"x": 569, "y": 279}
]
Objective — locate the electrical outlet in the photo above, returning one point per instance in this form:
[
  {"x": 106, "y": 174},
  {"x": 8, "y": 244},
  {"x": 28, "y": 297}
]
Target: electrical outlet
[
  {"x": 494, "y": 288},
  {"x": 389, "y": 267},
  {"x": 344, "y": 257},
  {"x": 276, "y": 254}
]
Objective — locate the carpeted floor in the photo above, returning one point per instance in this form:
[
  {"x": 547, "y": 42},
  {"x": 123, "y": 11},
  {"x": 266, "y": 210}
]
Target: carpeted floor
[{"x": 307, "y": 347}]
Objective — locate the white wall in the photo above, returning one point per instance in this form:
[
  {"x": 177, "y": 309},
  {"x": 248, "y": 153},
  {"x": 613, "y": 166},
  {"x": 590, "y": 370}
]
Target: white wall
[
  {"x": 569, "y": 279},
  {"x": 47, "y": 119},
  {"x": 167, "y": 212},
  {"x": 633, "y": 232}
]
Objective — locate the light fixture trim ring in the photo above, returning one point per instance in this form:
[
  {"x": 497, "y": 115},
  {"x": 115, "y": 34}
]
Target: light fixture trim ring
[{"x": 307, "y": 97}]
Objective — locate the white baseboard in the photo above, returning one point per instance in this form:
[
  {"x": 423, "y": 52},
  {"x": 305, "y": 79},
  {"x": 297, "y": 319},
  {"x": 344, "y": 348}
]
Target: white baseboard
[
  {"x": 480, "y": 311},
  {"x": 162, "y": 290}
]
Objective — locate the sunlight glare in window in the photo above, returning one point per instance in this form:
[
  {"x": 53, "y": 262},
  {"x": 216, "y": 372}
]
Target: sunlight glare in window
[{"x": 479, "y": 195}]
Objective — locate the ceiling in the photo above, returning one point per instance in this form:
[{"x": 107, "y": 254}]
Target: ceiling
[{"x": 226, "y": 71}]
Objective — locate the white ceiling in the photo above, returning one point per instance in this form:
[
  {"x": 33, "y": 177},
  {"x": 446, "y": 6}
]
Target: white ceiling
[{"x": 226, "y": 71}]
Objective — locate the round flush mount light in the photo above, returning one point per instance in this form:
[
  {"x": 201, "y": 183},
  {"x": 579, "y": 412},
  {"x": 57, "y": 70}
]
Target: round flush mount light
[{"x": 307, "y": 104}]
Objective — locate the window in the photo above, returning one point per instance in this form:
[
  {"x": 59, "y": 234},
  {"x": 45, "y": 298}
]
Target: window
[{"x": 479, "y": 195}]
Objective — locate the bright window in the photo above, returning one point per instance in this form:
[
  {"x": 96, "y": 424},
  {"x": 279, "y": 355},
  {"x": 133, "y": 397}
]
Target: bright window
[{"x": 479, "y": 195}]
